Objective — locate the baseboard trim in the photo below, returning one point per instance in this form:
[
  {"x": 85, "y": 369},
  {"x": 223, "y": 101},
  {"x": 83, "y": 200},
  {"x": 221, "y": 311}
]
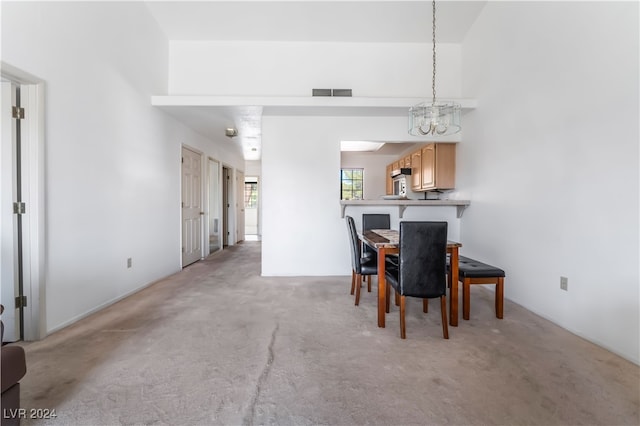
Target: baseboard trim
[{"x": 102, "y": 306}]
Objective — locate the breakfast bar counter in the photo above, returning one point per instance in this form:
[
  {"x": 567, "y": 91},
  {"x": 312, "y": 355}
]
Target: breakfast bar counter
[{"x": 404, "y": 203}]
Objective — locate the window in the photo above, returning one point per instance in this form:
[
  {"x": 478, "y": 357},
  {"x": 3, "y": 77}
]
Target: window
[
  {"x": 351, "y": 184},
  {"x": 250, "y": 195}
]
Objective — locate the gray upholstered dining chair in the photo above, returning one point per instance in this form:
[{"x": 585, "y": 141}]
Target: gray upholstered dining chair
[
  {"x": 421, "y": 270},
  {"x": 360, "y": 266}
]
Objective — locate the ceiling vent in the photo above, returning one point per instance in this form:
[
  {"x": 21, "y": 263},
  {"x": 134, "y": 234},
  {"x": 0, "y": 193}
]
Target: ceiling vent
[
  {"x": 341, "y": 92},
  {"x": 321, "y": 92},
  {"x": 331, "y": 92}
]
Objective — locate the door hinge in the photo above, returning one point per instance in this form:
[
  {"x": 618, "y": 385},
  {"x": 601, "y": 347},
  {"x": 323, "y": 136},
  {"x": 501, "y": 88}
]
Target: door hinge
[
  {"x": 21, "y": 302},
  {"x": 17, "y": 112},
  {"x": 19, "y": 207}
]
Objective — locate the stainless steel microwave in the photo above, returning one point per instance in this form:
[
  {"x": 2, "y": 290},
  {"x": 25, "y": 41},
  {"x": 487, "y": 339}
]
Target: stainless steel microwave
[
  {"x": 400, "y": 181},
  {"x": 400, "y": 186}
]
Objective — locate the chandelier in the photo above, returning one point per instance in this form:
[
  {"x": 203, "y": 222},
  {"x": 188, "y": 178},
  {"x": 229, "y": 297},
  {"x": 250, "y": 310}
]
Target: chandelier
[{"x": 435, "y": 118}]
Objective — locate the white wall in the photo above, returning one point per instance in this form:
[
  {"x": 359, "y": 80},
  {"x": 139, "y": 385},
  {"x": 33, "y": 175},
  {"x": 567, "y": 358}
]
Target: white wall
[
  {"x": 112, "y": 160},
  {"x": 303, "y": 231},
  {"x": 550, "y": 161},
  {"x": 253, "y": 168},
  {"x": 292, "y": 69}
]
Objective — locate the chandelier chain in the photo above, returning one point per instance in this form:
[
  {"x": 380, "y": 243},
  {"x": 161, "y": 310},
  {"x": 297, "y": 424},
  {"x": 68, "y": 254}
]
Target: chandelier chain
[
  {"x": 433, "y": 84},
  {"x": 435, "y": 119}
]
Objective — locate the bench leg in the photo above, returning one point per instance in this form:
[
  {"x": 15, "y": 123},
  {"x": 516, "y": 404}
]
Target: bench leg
[
  {"x": 466, "y": 298},
  {"x": 499, "y": 297}
]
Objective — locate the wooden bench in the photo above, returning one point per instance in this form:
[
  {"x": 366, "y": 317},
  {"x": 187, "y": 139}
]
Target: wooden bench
[{"x": 474, "y": 272}]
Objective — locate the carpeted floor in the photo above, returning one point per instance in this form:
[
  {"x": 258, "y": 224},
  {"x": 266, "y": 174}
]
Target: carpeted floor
[{"x": 218, "y": 344}]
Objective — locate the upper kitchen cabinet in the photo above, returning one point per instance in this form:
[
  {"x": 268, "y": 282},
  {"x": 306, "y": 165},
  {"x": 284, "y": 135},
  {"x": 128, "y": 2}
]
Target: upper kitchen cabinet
[
  {"x": 438, "y": 167},
  {"x": 433, "y": 167},
  {"x": 389, "y": 180},
  {"x": 416, "y": 170}
]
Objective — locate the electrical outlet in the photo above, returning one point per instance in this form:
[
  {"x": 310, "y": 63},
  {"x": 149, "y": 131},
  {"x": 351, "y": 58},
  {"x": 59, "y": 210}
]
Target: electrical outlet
[
  {"x": 564, "y": 283},
  {"x": 128, "y": 262}
]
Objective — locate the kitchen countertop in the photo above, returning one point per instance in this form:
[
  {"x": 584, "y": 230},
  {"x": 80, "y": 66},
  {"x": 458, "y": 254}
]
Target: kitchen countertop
[{"x": 402, "y": 204}]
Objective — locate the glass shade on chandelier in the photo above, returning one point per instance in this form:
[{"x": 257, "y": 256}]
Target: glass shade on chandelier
[{"x": 437, "y": 118}]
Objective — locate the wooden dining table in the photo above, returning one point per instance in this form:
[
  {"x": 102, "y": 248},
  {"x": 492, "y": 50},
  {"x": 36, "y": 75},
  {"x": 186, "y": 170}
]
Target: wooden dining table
[{"x": 386, "y": 241}]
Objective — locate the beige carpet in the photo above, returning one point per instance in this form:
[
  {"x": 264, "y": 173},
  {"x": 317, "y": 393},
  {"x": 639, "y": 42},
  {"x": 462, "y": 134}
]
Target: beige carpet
[{"x": 218, "y": 344}]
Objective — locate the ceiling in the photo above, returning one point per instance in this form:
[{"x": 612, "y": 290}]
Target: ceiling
[
  {"x": 299, "y": 20},
  {"x": 330, "y": 21}
]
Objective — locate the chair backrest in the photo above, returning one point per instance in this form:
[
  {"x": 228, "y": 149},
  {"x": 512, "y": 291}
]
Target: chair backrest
[
  {"x": 375, "y": 221},
  {"x": 422, "y": 259},
  {"x": 354, "y": 244}
]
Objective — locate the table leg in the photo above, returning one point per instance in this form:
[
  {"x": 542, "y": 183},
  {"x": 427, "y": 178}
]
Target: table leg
[
  {"x": 382, "y": 293},
  {"x": 453, "y": 299}
]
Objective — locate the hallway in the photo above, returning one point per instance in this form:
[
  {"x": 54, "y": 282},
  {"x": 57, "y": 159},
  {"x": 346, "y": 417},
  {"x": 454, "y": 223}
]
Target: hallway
[{"x": 218, "y": 344}]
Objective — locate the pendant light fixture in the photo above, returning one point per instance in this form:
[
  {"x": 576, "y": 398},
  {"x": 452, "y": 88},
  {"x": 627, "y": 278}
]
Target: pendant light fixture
[{"x": 438, "y": 117}]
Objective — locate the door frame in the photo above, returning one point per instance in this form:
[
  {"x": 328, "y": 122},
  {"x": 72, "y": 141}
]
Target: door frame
[
  {"x": 32, "y": 99},
  {"x": 207, "y": 231},
  {"x": 255, "y": 178},
  {"x": 226, "y": 205},
  {"x": 229, "y": 204},
  {"x": 239, "y": 203}
]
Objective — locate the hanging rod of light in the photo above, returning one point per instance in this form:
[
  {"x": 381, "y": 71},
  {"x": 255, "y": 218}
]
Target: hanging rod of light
[{"x": 438, "y": 117}]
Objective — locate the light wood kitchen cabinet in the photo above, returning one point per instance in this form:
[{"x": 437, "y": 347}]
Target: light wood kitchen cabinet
[
  {"x": 389, "y": 180},
  {"x": 433, "y": 166},
  {"x": 438, "y": 169},
  {"x": 416, "y": 170}
]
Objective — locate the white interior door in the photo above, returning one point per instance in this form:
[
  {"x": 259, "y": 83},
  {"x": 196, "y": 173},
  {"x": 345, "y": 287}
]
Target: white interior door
[
  {"x": 192, "y": 212},
  {"x": 8, "y": 253}
]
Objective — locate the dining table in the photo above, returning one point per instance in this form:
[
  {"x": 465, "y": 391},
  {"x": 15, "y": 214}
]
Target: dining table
[{"x": 386, "y": 241}]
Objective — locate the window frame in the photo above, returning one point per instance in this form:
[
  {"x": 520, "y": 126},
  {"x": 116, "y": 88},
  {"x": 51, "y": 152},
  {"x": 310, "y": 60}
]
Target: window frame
[{"x": 354, "y": 191}]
